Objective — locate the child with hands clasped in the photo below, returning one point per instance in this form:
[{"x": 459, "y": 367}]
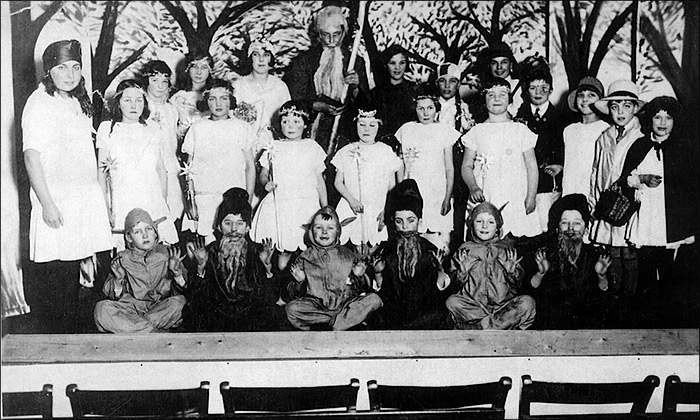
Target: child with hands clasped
[
  {"x": 365, "y": 171},
  {"x": 426, "y": 146},
  {"x": 144, "y": 288},
  {"x": 218, "y": 156},
  {"x": 292, "y": 173},
  {"x": 338, "y": 292},
  {"x": 499, "y": 163},
  {"x": 487, "y": 271},
  {"x": 232, "y": 287}
]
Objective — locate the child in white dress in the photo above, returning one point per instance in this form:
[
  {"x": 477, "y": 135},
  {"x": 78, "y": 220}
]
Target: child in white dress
[
  {"x": 164, "y": 116},
  {"x": 365, "y": 172},
  {"x": 500, "y": 165},
  {"x": 218, "y": 157},
  {"x": 133, "y": 173},
  {"x": 292, "y": 173},
  {"x": 426, "y": 148}
]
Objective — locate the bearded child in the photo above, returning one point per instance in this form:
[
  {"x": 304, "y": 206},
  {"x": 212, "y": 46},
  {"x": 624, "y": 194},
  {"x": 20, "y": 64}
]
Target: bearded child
[
  {"x": 572, "y": 280},
  {"x": 408, "y": 269},
  {"x": 233, "y": 287}
]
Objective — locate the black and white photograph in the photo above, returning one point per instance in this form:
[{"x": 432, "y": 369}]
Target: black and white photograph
[{"x": 350, "y": 209}]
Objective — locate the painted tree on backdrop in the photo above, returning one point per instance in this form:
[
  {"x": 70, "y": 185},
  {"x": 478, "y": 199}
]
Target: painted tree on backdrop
[
  {"x": 200, "y": 38},
  {"x": 439, "y": 31}
]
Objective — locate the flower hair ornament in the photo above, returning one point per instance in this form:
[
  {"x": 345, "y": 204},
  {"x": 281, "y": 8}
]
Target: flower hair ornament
[
  {"x": 261, "y": 44},
  {"x": 497, "y": 88},
  {"x": 228, "y": 89},
  {"x": 293, "y": 111},
  {"x": 369, "y": 115}
]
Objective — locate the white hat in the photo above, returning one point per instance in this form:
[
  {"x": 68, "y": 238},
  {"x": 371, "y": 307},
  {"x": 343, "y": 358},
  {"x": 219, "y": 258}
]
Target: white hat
[
  {"x": 619, "y": 90},
  {"x": 449, "y": 71}
]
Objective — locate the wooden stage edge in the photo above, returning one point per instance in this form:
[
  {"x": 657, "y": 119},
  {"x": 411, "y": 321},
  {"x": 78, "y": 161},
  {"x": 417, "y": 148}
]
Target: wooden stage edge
[{"x": 26, "y": 349}]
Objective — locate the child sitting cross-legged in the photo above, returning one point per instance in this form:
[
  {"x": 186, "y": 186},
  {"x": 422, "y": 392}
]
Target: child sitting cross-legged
[
  {"x": 487, "y": 272},
  {"x": 408, "y": 269},
  {"x": 338, "y": 292},
  {"x": 144, "y": 288},
  {"x": 233, "y": 287}
]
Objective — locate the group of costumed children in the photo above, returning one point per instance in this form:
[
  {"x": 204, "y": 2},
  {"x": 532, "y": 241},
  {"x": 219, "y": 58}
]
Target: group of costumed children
[{"x": 321, "y": 279}]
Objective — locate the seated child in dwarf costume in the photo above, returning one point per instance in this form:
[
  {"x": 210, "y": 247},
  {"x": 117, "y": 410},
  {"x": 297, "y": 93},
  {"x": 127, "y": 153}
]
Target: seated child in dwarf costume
[
  {"x": 233, "y": 287},
  {"x": 144, "y": 288},
  {"x": 408, "y": 269},
  {"x": 487, "y": 272},
  {"x": 335, "y": 280}
]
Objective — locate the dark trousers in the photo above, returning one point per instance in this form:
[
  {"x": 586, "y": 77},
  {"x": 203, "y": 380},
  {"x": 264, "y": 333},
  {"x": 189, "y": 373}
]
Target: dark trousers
[{"x": 53, "y": 295}]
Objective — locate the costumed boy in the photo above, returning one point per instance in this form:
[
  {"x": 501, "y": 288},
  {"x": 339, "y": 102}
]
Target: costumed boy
[
  {"x": 144, "y": 288},
  {"x": 233, "y": 288},
  {"x": 338, "y": 292},
  {"x": 486, "y": 269},
  {"x": 408, "y": 270}
]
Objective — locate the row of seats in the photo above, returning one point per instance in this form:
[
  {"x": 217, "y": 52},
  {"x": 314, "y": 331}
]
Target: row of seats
[{"x": 459, "y": 400}]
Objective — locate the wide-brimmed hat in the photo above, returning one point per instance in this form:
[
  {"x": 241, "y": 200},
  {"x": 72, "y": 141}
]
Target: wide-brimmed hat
[
  {"x": 619, "y": 90},
  {"x": 589, "y": 83}
]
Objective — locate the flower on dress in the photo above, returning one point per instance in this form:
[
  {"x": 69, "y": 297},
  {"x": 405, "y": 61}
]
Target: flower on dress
[
  {"x": 246, "y": 112},
  {"x": 186, "y": 170},
  {"x": 109, "y": 164},
  {"x": 356, "y": 155}
]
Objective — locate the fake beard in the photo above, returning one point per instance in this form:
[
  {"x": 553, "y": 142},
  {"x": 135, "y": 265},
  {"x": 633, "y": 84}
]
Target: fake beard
[
  {"x": 569, "y": 249},
  {"x": 232, "y": 260},
  {"x": 408, "y": 253},
  {"x": 329, "y": 79}
]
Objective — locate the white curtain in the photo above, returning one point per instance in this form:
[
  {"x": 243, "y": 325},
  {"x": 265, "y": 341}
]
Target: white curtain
[{"x": 13, "y": 302}]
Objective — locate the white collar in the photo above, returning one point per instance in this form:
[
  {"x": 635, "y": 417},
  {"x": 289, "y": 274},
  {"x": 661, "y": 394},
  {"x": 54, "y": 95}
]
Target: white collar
[{"x": 543, "y": 108}]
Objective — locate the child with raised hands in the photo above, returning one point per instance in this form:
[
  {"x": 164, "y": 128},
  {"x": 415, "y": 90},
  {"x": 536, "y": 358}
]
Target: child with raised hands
[
  {"x": 233, "y": 287},
  {"x": 408, "y": 268},
  {"x": 487, "y": 274},
  {"x": 337, "y": 294},
  {"x": 144, "y": 290}
]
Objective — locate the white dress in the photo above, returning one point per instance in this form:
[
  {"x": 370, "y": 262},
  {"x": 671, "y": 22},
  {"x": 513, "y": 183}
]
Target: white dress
[
  {"x": 135, "y": 150},
  {"x": 218, "y": 163},
  {"x": 57, "y": 129},
  {"x": 648, "y": 225},
  {"x": 500, "y": 171},
  {"x": 579, "y": 152},
  {"x": 377, "y": 165},
  {"x": 266, "y": 99},
  {"x": 423, "y": 147},
  {"x": 164, "y": 116},
  {"x": 282, "y": 214}
]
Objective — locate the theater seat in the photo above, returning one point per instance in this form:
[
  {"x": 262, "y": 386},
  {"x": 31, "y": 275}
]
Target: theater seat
[
  {"x": 139, "y": 403},
  {"x": 491, "y": 397},
  {"x": 39, "y": 403},
  {"x": 677, "y": 392},
  {"x": 636, "y": 393},
  {"x": 290, "y": 399}
]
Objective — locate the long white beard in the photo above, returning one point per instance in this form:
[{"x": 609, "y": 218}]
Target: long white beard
[{"x": 329, "y": 79}]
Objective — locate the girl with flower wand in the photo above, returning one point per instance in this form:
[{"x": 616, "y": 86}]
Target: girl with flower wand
[
  {"x": 365, "y": 172},
  {"x": 297, "y": 190}
]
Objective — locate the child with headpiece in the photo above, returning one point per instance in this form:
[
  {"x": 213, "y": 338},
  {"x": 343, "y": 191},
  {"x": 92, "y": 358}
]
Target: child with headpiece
[
  {"x": 487, "y": 272},
  {"x": 232, "y": 287},
  {"x": 133, "y": 173},
  {"x": 219, "y": 157},
  {"x": 408, "y": 268},
  {"x": 266, "y": 92},
  {"x": 338, "y": 291},
  {"x": 580, "y": 137},
  {"x": 292, "y": 174},
  {"x": 144, "y": 290},
  {"x": 455, "y": 113},
  {"x": 156, "y": 75},
  {"x": 499, "y": 163},
  {"x": 622, "y": 105},
  {"x": 426, "y": 148},
  {"x": 194, "y": 72},
  {"x": 365, "y": 171}
]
